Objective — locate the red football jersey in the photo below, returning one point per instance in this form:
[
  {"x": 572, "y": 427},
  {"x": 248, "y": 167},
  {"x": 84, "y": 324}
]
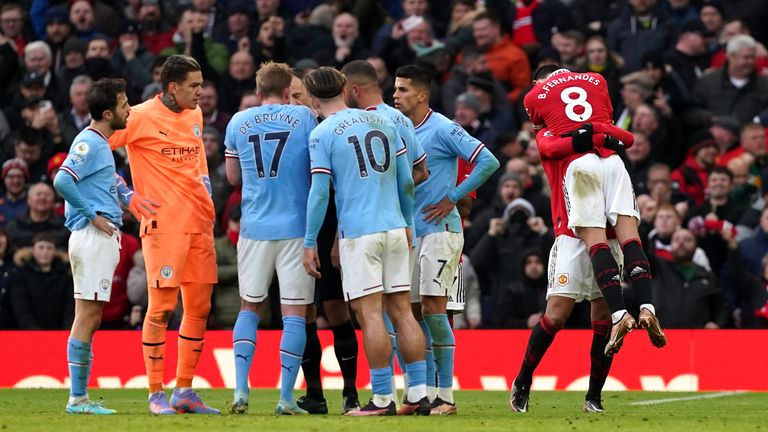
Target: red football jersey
[
  {"x": 567, "y": 100},
  {"x": 465, "y": 169}
]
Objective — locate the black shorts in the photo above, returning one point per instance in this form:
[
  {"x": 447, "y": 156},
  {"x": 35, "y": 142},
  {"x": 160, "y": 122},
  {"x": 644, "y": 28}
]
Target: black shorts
[{"x": 328, "y": 287}]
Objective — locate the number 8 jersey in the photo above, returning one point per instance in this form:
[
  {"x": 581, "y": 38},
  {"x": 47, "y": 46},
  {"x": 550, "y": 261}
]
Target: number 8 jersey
[
  {"x": 272, "y": 145},
  {"x": 359, "y": 150},
  {"x": 567, "y": 100}
]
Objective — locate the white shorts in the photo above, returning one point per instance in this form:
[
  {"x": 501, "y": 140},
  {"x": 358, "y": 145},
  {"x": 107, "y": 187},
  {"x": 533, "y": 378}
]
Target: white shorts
[
  {"x": 93, "y": 256},
  {"x": 596, "y": 190},
  {"x": 436, "y": 258},
  {"x": 374, "y": 263},
  {"x": 570, "y": 269},
  {"x": 456, "y": 295},
  {"x": 257, "y": 261}
]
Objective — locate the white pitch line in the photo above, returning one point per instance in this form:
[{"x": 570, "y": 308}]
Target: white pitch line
[{"x": 689, "y": 398}]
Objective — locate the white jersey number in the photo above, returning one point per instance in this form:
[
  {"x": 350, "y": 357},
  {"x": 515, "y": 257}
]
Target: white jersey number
[{"x": 579, "y": 101}]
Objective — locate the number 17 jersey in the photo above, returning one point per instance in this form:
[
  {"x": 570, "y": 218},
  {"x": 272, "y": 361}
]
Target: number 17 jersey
[{"x": 272, "y": 145}]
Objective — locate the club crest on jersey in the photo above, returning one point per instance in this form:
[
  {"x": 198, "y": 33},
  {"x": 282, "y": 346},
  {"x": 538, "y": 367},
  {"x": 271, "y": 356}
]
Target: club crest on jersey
[
  {"x": 196, "y": 130},
  {"x": 104, "y": 284},
  {"x": 81, "y": 148},
  {"x": 562, "y": 279},
  {"x": 166, "y": 272}
]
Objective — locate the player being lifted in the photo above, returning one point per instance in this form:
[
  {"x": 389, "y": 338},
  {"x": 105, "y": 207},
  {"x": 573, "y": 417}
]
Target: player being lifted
[
  {"x": 364, "y": 156},
  {"x": 438, "y": 225},
  {"x": 597, "y": 188},
  {"x": 267, "y": 150},
  {"x": 86, "y": 180},
  {"x": 363, "y": 91},
  {"x": 167, "y": 160}
]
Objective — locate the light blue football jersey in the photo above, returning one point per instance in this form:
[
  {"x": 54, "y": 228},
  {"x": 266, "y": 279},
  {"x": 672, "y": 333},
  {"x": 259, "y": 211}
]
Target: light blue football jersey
[
  {"x": 444, "y": 142},
  {"x": 271, "y": 142},
  {"x": 358, "y": 149},
  {"x": 407, "y": 133},
  {"x": 92, "y": 165}
]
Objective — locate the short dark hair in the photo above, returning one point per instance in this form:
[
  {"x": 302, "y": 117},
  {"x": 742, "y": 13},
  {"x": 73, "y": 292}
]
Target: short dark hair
[
  {"x": 543, "y": 71},
  {"x": 360, "y": 69},
  {"x": 102, "y": 96},
  {"x": 28, "y": 136},
  {"x": 721, "y": 170},
  {"x": 176, "y": 69},
  {"x": 44, "y": 236},
  {"x": 417, "y": 74},
  {"x": 489, "y": 16},
  {"x": 325, "y": 82}
]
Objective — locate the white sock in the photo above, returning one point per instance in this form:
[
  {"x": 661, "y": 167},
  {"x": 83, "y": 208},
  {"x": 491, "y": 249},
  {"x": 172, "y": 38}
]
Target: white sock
[
  {"x": 648, "y": 306},
  {"x": 382, "y": 401},
  {"x": 431, "y": 393},
  {"x": 445, "y": 393},
  {"x": 76, "y": 400},
  {"x": 618, "y": 315},
  {"x": 417, "y": 393},
  {"x": 183, "y": 389}
]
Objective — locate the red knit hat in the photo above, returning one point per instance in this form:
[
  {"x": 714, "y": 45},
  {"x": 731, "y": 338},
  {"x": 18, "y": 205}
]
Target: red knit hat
[
  {"x": 55, "y": 162},
  {"x": 16, "y": 163}
]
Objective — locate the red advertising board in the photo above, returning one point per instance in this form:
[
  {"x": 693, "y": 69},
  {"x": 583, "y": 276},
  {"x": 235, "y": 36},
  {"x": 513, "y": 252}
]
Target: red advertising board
[{"x": 693, "y": 360}]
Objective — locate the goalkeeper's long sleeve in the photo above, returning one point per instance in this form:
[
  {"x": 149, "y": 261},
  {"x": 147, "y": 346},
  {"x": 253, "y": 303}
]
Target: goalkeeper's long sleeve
[
  {"x": 485, "y": 165},
  {"x": 317, "y": 205},
  {"x": 66, "y": 186}
]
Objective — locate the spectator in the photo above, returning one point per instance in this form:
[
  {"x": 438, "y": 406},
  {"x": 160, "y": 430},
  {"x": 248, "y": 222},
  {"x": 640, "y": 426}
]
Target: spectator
[
  {"x": 467, "y": 113},
  {"x": 686, "y": 295},
  {"x": 594, "y": 16},
  {"x": 57, "y": 31},
  {"x": 14, "y": 202},
  {"x": 156, "y": 33},
  {"x": 269, "y": 43},
  {"x": 115, "y": 313},
  {"x": 346, "y": 45},
  {"x": 664, "y": 190},
  {"x": 76, "y": 119},
  {"x": 73, "y": 63},
  {"x": 411, "y": 8},
  {"x": 29, "y": 148},
  {"x": 482, "y": 86},
  {"x": 755, "y": 248},
  {"x": 385, "y": 79},
  {"x": 12, "y": 18},
  {"x": 712, "y": 14},
  {"x": 209, "y": 101},
  {"x": 751, "y": 148},
  {"x": 216, "y": 168},
  {"x": 532, "y": 187},
  {"x": 459, "y": 32},
  {"x": 747, "y": 296},
  {"x": 38, "y": 218},
  {"x": 189, "y": 40},
  {"x": 226, "y": 302},
  {"x": 640, "y": 160},
  {"x": 42, "y": 297},
  {"x": 473, "y": 62},
  {"x": 659, "y": 240},
  {"x": 7, "y": 282},
  {"x": 249, "y": 99},
  {"x": 725, "y": 130},
  {"x": 154, "y": 87},
  {"x": 682, "y": 11},
  {"x": 522, "y": 304},
  {"x": 692, "y": 175},
  {"x": 641, "y": 27},
  {"x": 133, "y": 60},
  {"x": 671, "y": 95},
  {"x": 401, "y": 47},
  {"x": 662, "y": 133},
  {"x": 506, "y": 61},
  {"x": 636, "y": 88},
  {"x": 687, "y": 56},
  {"x": 30, "y": 92},
  {"x": 237, "y": 27},
  {"x": 733, "y": 90},
  {"x": 569, "y": 45},
  {"x": 240, "y": 77},
  {"x": 734, "y": 27},
  {"x": 598, "y": 58}
]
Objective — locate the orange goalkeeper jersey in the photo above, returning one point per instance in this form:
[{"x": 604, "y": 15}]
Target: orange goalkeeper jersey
[{"x": 167, "y": 160}]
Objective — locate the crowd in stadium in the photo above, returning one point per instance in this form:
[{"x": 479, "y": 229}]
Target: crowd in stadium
[{"x": 689, "y": 78}]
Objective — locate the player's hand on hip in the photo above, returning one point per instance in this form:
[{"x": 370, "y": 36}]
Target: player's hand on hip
[
  {"x": 142, "y": 207},
  {"x": 335, "y": 258},
  {"x": 104, "y": 225},
  {"x": 312, "y": 262},
  {"x": 437, "y": 212},
  {"x": 409, "y": 236}
]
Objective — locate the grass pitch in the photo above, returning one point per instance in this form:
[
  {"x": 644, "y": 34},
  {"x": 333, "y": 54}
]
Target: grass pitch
[{"x": 43, "y": 410}]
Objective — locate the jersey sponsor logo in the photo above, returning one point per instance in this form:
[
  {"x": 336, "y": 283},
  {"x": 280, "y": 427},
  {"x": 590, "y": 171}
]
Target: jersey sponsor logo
[
  {"x": 105, "y": 284},
  {"x": 196, "y": 130},
  {"x": 181, "y": 154},
  {"x": 81, "y": 148},
  {"x": 562, "y": 279},
  {"x": 166, "y": 272}
]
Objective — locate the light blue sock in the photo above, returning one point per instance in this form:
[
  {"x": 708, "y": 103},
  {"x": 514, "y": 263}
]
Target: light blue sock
[
  {"x": 381, "y": 382},
  {"x": 244, "y": 343},
  {"x": 429, "y": 357},
  {"x": 291, "y": 350},
  {"x": 443, "y": 345},
  {"x": 393, "y": 340},
  {"x": 78, "y": 358},
  {"x": 417, "y": 388}
]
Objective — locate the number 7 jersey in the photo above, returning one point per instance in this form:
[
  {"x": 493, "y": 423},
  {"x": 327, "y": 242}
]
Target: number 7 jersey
[
  {"x": 567, "y": 100},
  {"x": 272, "y": 144}
]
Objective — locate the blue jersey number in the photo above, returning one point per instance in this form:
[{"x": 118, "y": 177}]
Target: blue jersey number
[
  {"x": 281, "y": 138},
  {"x": 369, "y": 137}
]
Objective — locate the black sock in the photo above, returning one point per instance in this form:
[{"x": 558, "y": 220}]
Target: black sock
[
  {"x": 607, "y": 276},
  {"x": 600, "y": 364},
  {"x": 345, "y": 346},
  {"x": 639, "y": 270},
  {"x": 310, "y": 363},
  {"x": 541, "y": 338}
]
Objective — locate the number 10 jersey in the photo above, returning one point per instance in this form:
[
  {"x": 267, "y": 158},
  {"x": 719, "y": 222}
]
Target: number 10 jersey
[{"x": 272, "y": 145}]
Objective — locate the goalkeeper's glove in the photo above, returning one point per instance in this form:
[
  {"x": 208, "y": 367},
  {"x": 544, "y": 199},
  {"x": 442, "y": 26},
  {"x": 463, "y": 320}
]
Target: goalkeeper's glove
[
  {"x": 207, "y": 184},
  {"x": 135, "y": 203},
  {"x": 581, "y": 138},
  {"x": 617, "y": 146}
]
